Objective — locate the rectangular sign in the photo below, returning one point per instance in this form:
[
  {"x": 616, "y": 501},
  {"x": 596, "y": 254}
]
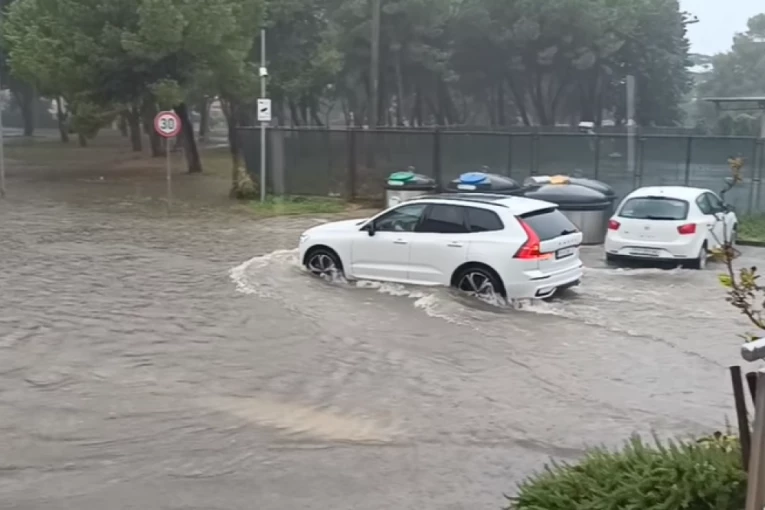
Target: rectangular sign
[{"x": 264, "y": 110}]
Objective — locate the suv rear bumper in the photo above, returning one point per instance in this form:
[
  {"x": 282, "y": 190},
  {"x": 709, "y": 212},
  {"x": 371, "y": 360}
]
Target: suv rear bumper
[{"x": 541, "y": 286}]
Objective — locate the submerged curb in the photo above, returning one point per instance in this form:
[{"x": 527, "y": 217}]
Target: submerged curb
[{"x": 744, "y": 242}]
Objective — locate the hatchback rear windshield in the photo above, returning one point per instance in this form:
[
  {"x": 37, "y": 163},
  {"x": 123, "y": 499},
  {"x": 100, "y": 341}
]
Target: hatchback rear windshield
[
  {"x": 549, "y": 223},
  {"x": 654, "y": 208}
]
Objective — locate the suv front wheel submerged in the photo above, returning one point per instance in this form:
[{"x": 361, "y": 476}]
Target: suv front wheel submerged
[
  {"x": 324, "y": 263},
  {"x": 479, "y": 282}
]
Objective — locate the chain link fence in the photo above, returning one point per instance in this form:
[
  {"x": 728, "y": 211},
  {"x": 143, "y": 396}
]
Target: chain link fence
[{"x": 354, "y": 163}]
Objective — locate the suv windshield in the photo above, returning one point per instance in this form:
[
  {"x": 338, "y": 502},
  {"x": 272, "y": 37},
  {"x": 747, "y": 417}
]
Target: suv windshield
[
  {"x": 549, "y": 223},
  {"x": 654, "y": 208}
]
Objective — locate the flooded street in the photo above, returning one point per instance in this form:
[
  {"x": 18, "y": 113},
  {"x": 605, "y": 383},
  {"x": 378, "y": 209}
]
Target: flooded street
[{"x": 188, "y": 363}]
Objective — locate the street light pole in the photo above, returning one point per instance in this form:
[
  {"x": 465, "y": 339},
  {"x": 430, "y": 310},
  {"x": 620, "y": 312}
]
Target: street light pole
[{"x": 631, "y": 127}]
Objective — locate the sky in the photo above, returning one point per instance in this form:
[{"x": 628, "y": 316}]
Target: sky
[{"x": 719, "y": 20}]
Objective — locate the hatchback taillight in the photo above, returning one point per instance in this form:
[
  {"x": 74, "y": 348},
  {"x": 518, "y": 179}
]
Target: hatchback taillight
[
  {"x": 613, "y": 225},
  {"x": 531, "y": 249},
  {"x": 687, "y": 229}
]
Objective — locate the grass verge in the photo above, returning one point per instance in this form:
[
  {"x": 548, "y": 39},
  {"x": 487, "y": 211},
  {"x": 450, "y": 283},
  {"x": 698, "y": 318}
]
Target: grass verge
[
  {"x": 752, "y": 228},
  {"x": 296, "y": 205}
]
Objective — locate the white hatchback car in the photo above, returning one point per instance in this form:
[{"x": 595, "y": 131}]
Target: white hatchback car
[
  {"x": 669, "y": 223},
  {"x": 482, "y": 244}
]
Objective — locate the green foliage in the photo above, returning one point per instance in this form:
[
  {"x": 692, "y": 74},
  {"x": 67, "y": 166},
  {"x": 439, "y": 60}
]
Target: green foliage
[
  {"x": 743, "y": 285},
  {"x": 699, "y": 476}
]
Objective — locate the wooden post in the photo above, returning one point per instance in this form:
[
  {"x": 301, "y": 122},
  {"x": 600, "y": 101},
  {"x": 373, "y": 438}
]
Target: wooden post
[
  {"x": 755, "y": 497},
  {"x": 743, "y": 420}
]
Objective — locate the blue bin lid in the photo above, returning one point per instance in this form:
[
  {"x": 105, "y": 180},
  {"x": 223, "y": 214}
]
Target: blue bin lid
[{"x": 473, "y": 178}]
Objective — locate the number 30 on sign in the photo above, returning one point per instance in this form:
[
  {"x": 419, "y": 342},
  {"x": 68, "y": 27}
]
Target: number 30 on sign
[{"x": 167, "y": 124}]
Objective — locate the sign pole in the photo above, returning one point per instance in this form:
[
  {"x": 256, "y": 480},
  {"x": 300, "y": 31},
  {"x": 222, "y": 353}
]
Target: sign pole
[
  {"x": 169, "y": 174},
  {"x": 263, "y": 75},
  {"x": 168, "y": 125}
]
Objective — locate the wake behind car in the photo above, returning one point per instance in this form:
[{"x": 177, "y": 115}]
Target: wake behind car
[
  {"x": 669, "y": 223},
  {"x": 482, "y": 244}
]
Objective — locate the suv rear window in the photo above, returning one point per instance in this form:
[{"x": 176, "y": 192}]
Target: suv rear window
[
  {"x": 549, "y": 223},
  {"x": 654, "y": 208}
]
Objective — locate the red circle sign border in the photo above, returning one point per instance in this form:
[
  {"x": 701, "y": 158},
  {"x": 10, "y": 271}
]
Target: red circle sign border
[{"x": 161, "y": 115}]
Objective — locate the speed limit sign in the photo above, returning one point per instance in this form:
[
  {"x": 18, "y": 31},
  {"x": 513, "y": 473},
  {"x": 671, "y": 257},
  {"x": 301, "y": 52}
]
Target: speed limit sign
[{"x": 167, "y": 124}]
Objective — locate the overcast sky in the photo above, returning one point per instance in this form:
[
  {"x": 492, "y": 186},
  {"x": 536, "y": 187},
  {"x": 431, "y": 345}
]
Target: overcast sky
[{"x": 718, "y": 21}]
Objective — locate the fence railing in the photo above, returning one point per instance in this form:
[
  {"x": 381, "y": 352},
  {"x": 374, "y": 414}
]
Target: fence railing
[{"x": 355, "y": 162}]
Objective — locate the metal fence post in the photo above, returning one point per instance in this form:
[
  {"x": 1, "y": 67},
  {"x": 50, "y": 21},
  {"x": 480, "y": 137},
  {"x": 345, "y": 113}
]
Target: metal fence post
[
  {"x": 596, "y": 163},
  {"x": 437, "y": 171},
  {"x": 637, "y": 178},
  {"x": 535, "y": 151},
  {"x": 509, "y": 154},
  {"x": 757, "y": 174},
  {"x": 350, "y": 184},
  {"x": 688, "y": 152}
]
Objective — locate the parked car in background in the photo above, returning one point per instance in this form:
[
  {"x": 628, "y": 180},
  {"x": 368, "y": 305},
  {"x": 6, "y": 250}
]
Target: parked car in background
[
  {"x": 482, "y": 244},
  {"x": 669, "y": 223}
]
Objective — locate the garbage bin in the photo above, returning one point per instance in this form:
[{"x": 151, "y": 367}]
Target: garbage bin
[
  {"x": 601, "y": 186},
  {"x": 482, "y": 182},
  {"x": 587, "y": 208},
  {"x": 402, "y": 186}
]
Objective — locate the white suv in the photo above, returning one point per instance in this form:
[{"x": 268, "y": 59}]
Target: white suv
[{"x": 482, "y": 244}]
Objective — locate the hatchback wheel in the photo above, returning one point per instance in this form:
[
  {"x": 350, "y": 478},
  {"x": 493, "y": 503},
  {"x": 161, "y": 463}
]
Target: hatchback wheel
[
  {"x": 700, "y": 262},
  {"x": 324, "y": 263},
  {"x": 479, "y": 282}
]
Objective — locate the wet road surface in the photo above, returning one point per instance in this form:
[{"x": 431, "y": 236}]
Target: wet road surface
[{"x": 188, "y": 363}]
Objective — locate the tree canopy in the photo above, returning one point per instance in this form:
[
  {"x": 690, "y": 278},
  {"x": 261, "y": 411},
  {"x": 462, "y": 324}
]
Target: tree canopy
[{"x": 493, "y": 62}]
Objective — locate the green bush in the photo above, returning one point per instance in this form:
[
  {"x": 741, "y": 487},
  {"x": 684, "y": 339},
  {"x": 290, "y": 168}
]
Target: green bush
[{"x": 704, "y": 475}]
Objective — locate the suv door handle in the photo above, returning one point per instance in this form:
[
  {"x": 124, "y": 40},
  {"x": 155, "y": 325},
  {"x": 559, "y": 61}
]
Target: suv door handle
[
  {"x": 400, "y": 241},
  {"x": 455, "y": 245}
]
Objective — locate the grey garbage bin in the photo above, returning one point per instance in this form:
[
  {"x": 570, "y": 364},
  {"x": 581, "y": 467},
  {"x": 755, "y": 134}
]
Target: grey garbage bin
[
  {"x": 402, "y": 186},
  {"x": 482, "y": 182},
  {"x": 601, "y": 186},
  {"x": 587, "y": 208}
]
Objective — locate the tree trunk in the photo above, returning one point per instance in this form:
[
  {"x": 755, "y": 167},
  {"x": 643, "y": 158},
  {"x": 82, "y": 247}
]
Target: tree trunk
[
  {"x": 189, "y": 140},
  {"x": 204, "y": 119},
  {"x": 400, "y": 121},
  {"x": 134, "y": 126},
  {"x": 122, "y": 124},
  {"x": 28, "y": 100},
  {"x": 148, "y": 112},
  {"x": 82, "y": 140},
  {"x": 61, "y": 118},
  {"x": 231, "y": 112}
]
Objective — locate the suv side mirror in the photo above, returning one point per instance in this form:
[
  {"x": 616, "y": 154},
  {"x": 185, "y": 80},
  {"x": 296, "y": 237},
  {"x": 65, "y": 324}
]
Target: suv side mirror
[{"x": 370, "y": 228}]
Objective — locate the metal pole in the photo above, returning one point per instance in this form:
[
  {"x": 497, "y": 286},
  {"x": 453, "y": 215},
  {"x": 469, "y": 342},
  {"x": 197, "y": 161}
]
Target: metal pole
[
  {"x": 2, "y": 134},
  {"x": 2, "y": 146},
  {"x": 755, "y": 497},
  {"x": 630, "y": 124},
  {"x": 168, "y": 174},
  {"x": 262, "y": 124},
  {"x": 374, "y": 65}
]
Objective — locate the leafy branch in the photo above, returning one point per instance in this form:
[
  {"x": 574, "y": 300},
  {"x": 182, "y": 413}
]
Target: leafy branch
[{"x": 743, "y": 285}]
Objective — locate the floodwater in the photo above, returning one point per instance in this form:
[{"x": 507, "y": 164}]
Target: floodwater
[{"x": 188, "y": 363}]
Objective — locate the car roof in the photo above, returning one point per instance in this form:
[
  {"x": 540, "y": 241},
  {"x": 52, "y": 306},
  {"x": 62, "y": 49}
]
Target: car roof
[
  {"x": 680, "y": 192},
  {"x": 516, "y": 205}
]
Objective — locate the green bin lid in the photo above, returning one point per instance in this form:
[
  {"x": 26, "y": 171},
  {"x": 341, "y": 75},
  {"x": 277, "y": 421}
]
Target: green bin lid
[{"x": 400, "y": 178}]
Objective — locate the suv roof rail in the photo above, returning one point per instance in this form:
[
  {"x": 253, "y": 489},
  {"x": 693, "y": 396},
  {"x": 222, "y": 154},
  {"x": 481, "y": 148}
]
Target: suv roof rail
[{"x": 479, "y": 198}]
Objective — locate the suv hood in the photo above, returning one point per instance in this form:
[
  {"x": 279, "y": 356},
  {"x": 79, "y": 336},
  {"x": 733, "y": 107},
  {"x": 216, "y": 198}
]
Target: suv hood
[{"x": 336, "y": 226}]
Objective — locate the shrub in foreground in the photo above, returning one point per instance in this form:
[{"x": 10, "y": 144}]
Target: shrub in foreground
[{"x": 705, "y": 475}]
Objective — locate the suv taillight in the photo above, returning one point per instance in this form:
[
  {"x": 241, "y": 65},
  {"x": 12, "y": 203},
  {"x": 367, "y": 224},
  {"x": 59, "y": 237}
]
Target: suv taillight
[
  {"x": 613, "y": 225},
  {"x": 531, "y": 249}
]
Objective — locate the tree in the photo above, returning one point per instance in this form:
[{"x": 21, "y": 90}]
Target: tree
[{"x": 115, "y": 54}]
